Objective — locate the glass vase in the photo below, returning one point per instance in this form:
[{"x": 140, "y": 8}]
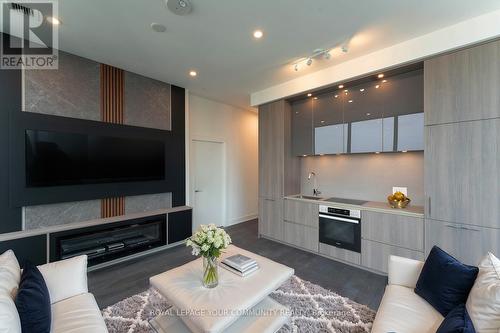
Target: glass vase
[{"x": 210, "y": 272}]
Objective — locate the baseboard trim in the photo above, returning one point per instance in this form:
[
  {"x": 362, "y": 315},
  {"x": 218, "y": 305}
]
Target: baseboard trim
[{"x": 242, "y": 219}]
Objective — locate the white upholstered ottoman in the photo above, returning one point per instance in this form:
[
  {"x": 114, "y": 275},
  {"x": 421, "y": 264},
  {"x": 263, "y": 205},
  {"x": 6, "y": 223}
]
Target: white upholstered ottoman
[{"x": 227, "y": 306}]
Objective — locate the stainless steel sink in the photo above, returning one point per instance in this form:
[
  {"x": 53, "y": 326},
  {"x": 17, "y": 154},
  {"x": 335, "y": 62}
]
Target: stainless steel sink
[{"x": 308, "y": 197}]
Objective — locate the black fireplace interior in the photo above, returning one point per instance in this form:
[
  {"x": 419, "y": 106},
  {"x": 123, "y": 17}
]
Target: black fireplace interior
[{"x": 110, "y": 241}]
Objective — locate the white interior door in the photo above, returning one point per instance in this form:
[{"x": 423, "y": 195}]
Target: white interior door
[{"x": 208, "y": 183}]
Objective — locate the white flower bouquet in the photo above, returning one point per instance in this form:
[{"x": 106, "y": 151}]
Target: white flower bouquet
[{"x": 209, "y": 241}]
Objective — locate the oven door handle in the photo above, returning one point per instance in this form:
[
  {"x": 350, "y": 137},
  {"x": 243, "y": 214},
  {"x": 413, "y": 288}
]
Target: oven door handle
[{"x": 338, "y": 218}]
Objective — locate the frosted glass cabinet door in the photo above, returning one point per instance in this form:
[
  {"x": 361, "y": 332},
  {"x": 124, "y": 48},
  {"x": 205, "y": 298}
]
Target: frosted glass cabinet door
[
  {"x": 331, "y": 139},
  {"x": 411, "y": 132},
  {"x": 388, "y": 134},
  {"x": 302, "y": 127},
  {"x": 366, "y": 136}
]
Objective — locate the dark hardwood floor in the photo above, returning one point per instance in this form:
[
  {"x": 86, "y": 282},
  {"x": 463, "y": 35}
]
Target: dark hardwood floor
[{"x": 112, "y": 284}]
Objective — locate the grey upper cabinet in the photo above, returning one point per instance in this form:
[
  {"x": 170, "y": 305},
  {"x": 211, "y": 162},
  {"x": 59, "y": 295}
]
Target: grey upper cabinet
[
  {"x": 302, "y": 127},
  {"x": 330, "y": 130},
  {"x": 463, "y": 86},
  {"x": 462, "y": 172},
  {"x": 410, "y": 132}
]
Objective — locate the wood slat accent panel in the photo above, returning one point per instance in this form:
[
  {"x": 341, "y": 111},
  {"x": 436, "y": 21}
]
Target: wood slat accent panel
[
  {"x": 112, "y": 207},
  {"x": 112, "y": 112},
  {"x": 111, "y": 94}
]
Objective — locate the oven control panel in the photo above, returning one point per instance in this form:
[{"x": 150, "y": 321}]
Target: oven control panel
[{"x": 340, "y": 211}]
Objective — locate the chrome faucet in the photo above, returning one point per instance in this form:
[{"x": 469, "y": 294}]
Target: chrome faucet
[{"x": 316, "y": 192}]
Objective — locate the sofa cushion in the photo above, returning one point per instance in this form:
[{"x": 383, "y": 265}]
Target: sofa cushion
[
  {"x": 444, "y": 281},
  {"x": 10, "y": 273},
  {"x": 483, "y": 303},
  {"x": 33, "y": 301},
  {"x": 457, "y": 321},
  {"x": 79, "y": 314},
  {"x": 401, "y": 310},
  {"x": 9, "y": 318},
  {"x": 65, "y": 278}
]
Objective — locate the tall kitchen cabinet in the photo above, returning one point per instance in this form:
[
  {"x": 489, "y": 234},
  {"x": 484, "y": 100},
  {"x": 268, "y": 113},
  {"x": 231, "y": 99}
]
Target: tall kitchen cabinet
[
  {"x": 462, "y": 152},
  {"x": 279, "y": 170}
]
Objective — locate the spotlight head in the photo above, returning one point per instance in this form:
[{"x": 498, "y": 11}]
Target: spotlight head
[
  {"x": 328, "y": 55},
  {"x": 344, "y": 48},
  {"x": 309, "y": 62},
  {"x": 296, "y": 67}
]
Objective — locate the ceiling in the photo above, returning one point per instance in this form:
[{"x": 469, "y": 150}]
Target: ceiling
[{"x": 216, "y": 38}]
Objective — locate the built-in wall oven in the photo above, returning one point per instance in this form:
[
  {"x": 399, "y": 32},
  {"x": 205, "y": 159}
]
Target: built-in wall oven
[{"x": 340, "y": 227}]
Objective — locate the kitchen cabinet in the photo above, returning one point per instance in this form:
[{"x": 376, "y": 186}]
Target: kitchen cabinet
[
  {"x": 271, "y": 218},
  {"x": 365, "y": 117},
  {"x": 410, "y": 129},
  {"x": 375, "y": 255},
  {"x": 302, "y": 127},
  {"x": 463, "y": 86},
  {"x": 279, "y": 170},
  {"x": 301, "y": 236},
  {"x": 397, "y": 230},
  {"x": 301, "y": 212},
  {"x": 341, "y": 254},
  {"x": 462, "y": 172},
  {"x": 465, "y": 242},
  {"x": 330, "y": 130}
]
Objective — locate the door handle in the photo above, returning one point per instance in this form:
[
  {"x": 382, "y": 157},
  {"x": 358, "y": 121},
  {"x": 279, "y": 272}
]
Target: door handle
[{"x": 197, "y": 191}]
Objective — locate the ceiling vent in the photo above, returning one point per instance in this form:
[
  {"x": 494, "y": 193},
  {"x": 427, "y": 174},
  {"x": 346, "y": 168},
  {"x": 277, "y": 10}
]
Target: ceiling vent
[{"x": 179, "y": 7}]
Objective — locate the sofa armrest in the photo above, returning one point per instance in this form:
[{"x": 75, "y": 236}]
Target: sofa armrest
[
  {"x": 404, "y": 271},
  {"x": 65, "y": 278}
]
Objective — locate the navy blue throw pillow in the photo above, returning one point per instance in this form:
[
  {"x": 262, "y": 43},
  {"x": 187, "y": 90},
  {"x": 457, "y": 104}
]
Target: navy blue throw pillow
[
  {"x": 444, "y": 281},
  {"x": 457, "y": 321},
  {"x": 33, "y": 301}
]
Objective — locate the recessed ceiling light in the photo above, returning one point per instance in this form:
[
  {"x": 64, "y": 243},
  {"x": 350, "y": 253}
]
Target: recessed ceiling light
[
  {"x": 309, "y": 95},
  {"x": 341, "y": 86},
  {"x": 304, "y": 155},
  {"x": 53, "y": 20},
  {"x": 346, "y": 90},
  {"x": 322, "y": 121},
  {"x": 193, "y": 73},
  {"x": 377, "y": 86},
  {"x": 336, "y": 96},
  {"x": 380, "y": 75},
  {"x": 179, "y": 7},
  {"x": 257, "y": 34},
  {"x": 350, "y": 101},
  {"x": 157, "y": 27},
  {"x": 362, "y": 89},
  {"x": 368, "y": 114},
  {"x": 315, "y": 97},
  {"x": 384, "y": 81}
]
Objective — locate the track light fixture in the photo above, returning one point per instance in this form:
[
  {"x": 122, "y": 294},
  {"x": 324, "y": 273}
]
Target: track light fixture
[{"x": 320, "y": 54}]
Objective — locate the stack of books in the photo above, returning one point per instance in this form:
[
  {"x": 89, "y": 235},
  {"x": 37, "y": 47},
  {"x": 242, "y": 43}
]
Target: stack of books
[{"x": 240, "y": 265}]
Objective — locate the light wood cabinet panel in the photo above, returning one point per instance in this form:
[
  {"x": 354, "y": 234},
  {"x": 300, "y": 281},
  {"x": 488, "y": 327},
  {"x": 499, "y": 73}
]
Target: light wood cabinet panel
[
  {"x": 462, "y": 172},
  {"x": 278, "y": 168},
  {"x": 271, "y": 150},
  {"x": 398, "y": 230},
  {"x": 465, "y": 242},
  {"x": 271, "y": 218},
  {"x": 376, "y": 255},
  {"x": 463, "y": 85},
  {"x": 301, "y": 236},
  {"x": 301, "y": 212},
  {"x": 341, "y": 254}
]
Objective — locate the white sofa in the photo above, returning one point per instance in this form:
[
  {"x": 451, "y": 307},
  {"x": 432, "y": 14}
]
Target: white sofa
[
  {"x": 73, "y": 308},
  {"x": 401, "y": 310}
]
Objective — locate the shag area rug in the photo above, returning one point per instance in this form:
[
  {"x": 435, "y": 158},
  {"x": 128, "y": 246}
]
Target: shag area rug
[{"x": 313, "y": 309}]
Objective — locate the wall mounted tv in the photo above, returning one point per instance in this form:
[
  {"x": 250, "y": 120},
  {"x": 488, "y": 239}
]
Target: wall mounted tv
[{"x": 57, "y": 158}]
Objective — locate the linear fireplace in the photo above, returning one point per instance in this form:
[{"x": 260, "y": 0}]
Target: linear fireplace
[{"x": 111, "y": 241}]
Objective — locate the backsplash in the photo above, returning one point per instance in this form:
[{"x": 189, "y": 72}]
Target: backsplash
[{"x": 365, "y": 176}]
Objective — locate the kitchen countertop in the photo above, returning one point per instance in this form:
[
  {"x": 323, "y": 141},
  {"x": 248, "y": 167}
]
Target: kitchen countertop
[{"x": 374, "y": 206}]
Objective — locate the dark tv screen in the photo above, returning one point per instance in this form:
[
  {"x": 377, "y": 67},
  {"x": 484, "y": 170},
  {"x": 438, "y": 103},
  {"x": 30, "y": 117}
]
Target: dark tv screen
[{"x": 56, "y": 158}]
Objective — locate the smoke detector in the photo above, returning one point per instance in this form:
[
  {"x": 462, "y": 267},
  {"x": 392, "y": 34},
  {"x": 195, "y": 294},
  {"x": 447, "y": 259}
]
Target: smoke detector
[{"x": 179, "y": 7}]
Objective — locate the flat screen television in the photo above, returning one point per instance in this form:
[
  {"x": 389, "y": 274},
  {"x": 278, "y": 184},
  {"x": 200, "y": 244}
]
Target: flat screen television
[{"x": 57, "y": 158}]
